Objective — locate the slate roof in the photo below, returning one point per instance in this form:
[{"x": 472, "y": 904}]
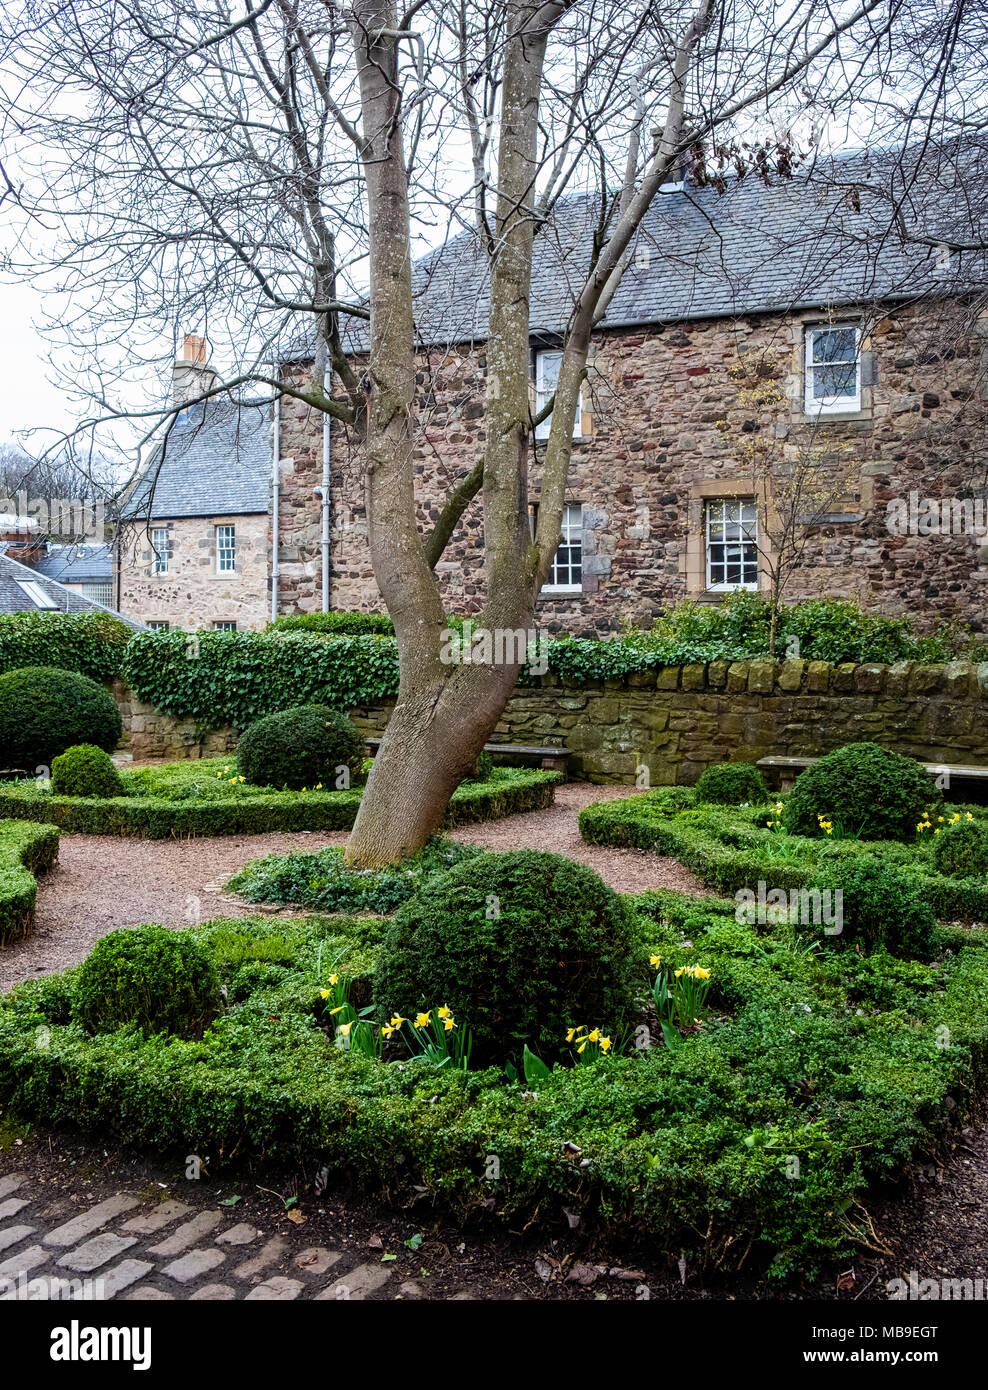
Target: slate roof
[
  {"x": 216, "y": 461},
  {"x": 818, "y": 239},
  {"x": 85, "y": 563},
  {"x": 13, "y": 599}
]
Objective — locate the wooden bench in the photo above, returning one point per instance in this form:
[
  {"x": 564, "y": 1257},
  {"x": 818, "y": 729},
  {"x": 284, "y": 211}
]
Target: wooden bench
[
  {"x": 786, "y": 770},
  {"x": 551, "y": 756}
]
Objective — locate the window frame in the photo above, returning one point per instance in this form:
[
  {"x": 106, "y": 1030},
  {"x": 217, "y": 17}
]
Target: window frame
[
  {"x": 105, "y": 585},
  {"x": 38, "y": 594},
  {"x": 724, "y": 502},
  {"x": 159, "y": 624},
  {"x": 541, "y": 396},
  {"x": 161, "y": 563},
  {"x": 225, "y": 625},
  {"x": 222, "y": 568},
  {"x": 568, "y": 530},
  {"x": 838, "y": 405}
]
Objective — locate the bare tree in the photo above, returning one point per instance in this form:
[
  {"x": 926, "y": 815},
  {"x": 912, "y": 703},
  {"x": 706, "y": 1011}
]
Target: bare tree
[{"x": 268, "y": 169}]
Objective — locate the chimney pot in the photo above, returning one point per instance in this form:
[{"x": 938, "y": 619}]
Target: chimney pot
[{"x": 195, "y": 348}]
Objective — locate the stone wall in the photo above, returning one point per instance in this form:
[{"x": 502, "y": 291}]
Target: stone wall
[
  {"x": 149, "y": 734},
  {"x": 194, "y": 594},
  {"x": 678, "y": 721},
  {"x": 673, "y": 416}
]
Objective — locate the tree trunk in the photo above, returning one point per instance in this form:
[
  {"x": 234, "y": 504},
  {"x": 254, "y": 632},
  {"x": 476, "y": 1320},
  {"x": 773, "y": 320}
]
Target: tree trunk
[{"x": 431, "y": 743}]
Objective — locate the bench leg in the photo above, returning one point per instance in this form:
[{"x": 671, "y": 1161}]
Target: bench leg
[{"x": 554, "y": 764}]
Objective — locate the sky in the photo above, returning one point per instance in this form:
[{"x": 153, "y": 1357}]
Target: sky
[{"x": 27, "y": 398}]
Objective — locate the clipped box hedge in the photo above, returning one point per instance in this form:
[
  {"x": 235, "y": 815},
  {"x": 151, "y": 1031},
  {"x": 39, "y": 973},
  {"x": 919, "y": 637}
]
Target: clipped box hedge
[
  {"x": 158, "y": 818},
  {"x": 730, "y": 849},
  {"x": 839, "y": 1063},
  {"x": 26, "y": 849}
]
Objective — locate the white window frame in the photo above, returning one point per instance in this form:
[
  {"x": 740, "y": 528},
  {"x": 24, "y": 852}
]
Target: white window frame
[
  {"x": 225, "y": 625},
  {"x": 571, "y": 527},
  {"x": 162, "y": 554},
  {"x": 830, "y": 405},
  {"x": 543, "y": 394},
  {"x": 159, "y": 624},
  {"x": 38, "y": 595},
  {"x": 714, "y": 514},
  {"x": 226, "y": 548}
]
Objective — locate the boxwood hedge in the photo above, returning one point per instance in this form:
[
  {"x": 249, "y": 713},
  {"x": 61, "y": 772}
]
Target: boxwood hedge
[
  {"x": 160, "y": 817},
  {"x": 851, "y": 1066},
  {"x": 732, "y": 848},
  {"x": 25, "y": 850}
]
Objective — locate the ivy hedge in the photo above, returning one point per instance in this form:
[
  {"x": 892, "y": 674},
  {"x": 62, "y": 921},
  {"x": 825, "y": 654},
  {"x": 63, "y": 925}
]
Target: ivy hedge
[
  {"x": 258, "y": 810},
  {"x": 753, "y": 1142},
  {"x": 335, "y": 624},
  {"x": 732, "y": 848},
  {"x": 25, "y": 850},
  {"x": 90, "y": 643}
]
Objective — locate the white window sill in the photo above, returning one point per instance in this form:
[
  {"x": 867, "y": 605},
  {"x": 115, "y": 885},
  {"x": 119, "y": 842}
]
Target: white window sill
[{"x": 555, "y": 590}]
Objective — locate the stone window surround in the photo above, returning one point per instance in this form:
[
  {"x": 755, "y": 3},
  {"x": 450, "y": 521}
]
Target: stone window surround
[
  {"x": 174, "y": 548},
  {"x": 696, "y": 551},
  {"x": 796, "y": 383}
]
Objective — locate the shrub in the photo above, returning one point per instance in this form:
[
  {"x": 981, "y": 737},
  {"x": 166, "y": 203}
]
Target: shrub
[
  {"x": 485, "y": 766},
  {"x": 44, "y": 710},
  {"x": 25, "y": 850},
  {"x": 961, "y": 849},
  {"x": 335, "y": 624},
  {"x": 90, "y": 643},
  {"x": 880, "y": 907},
  {"x": 519, "y": 945},
  {"x": 300, "y": 747},
  {"x": 85, "y": 770},
  {"x": 732, "y": 784},
  {"x": 164, "y": 981},
  {"x": 866, "y": 790}
]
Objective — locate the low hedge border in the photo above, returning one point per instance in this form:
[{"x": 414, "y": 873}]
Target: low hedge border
[
  {"x": 735, "y": 857},
  {"x": 690, "y": 1148},
  {"x": 25, "y": 850},
  {"x": 155, "y": 818}
]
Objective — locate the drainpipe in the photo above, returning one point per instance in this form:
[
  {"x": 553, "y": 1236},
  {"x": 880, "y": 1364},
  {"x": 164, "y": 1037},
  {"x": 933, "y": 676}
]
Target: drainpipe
[
  {"x": 325, "y": 496},
  {"x": 275, "y": 498}
]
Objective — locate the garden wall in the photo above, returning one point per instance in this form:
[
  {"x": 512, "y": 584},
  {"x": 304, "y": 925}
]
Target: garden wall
[
  {"x": 678, "y": 720},
  {"x": 147, "y": 733}
]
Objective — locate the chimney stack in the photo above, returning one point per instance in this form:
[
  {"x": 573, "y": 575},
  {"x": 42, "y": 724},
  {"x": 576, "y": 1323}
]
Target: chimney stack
[{"x": 190, "y": 374}]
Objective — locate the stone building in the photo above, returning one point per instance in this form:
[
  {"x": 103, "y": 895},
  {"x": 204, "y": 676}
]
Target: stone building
[
  {"x": 192, "y": 550},
  {"x": 780, "y": 382}
]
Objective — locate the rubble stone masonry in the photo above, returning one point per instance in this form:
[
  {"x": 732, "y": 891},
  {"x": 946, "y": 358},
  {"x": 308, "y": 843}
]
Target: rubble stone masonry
[{"x": 671, "y": 417}]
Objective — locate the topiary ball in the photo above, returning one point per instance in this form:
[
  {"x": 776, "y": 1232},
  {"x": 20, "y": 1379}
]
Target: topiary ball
[
  {"x": 864, "y": 789},
  {"x": 519, "y": 945},
  {"x": 961, "y": 849},
  {"x": 879, "y": 906},
  {"x": 301, "y": 747},
  {"x": 164, "y": 981},
  {"x": 44, "y": 710},
  {"x": 732, "y": 784},
  {"x": 85, "y": 770}
]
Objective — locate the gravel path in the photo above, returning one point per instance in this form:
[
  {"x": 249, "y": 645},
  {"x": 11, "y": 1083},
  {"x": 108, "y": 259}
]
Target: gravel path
[{"x": 107, "y": 881}]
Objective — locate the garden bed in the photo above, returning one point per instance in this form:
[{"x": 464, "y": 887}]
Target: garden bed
[
  {"x": 205, "y": 798},
  {"x": 732, "y": 848},
  {"x": 25, "y": 850},
  {"x": 755, "y": 1139}
]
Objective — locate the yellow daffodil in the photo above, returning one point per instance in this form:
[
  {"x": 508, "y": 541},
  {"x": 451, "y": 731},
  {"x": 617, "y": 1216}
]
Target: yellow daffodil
[
  {"x": 449, "y": 1025},
  {"x": 444, "y": 1012},
  {"x": 702, "y": 974},
  {"x": 582, "y": 1048},
  {"x": 571, "y": 1034},
  {"x": 318, "y": 786},
  {"x": 605, "y": 1044},
  {"x": 345, "y": 1029},
  {"x": 655, "y": 960},
  {"x": 386, "y": 1031},
  {"x": 422, "y": 1021},
  {"x": 333, "y": 979},
  {"x": 241, "y": 779},
  {"x": 969, "y": 816},
  {"x": 397, "y": 1020},
  {"x": 679, "y": 972},
  {"x": 939, "y": 819},
  {"x": 324, "y": 993},
  {"x": 595, "y": 1035},
  {"x": 338, "y": 1010}
]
